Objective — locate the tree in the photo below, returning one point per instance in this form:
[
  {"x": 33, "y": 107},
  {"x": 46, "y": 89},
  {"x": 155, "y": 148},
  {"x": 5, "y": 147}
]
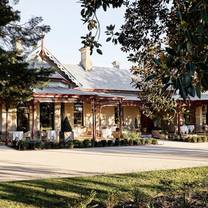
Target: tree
[
  {"x": 177, "y": 28},
  {"x": 66, "y": 126},
  {"x": 18, "y": 78}
]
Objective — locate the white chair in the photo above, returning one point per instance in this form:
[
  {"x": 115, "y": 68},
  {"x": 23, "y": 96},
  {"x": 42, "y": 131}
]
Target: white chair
[
  {"x": 51, "y": 135},
  {"x": 106, "y": 133},
  {"x": 191, "y": 128},
  {"x": 16, "y": 135}
]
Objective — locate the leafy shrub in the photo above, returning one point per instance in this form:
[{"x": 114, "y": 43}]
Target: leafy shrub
[
  {"x": 124, "y": 142},
  {"x": 204, "y": 139},
  {"x": 140, "y": 198},
  {"x": 133, "y": 135},
  {"x": 199, "y": 139},
  {"x": 135, "y": 142},
  {"x": 142, "y": 141},
  {"x": 66, "y": 126},
  {"x": 84, "y": 202},
  {"x": 22, "y": 145},
  {"x": 194, "y": 139},
  {"x": 130, "y": 142},
  {"x": 148, "y": 141},
  {"x": 86, "y": 143},
  {"x": 98, "y": 144},
  {"x": 112, "y": 200},
  {"x": 69, "y": 144},
  {"x": 77, "y": 143},
  {"x": 110, "y": 143},
  {"x": 117, "y": 142},
  {"x": 103, "y": 143},
  {"x": 154, "y": 141}
]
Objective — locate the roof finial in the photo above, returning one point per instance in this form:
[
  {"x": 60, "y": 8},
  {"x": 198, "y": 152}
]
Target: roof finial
[{"x": 42, "y": 40}]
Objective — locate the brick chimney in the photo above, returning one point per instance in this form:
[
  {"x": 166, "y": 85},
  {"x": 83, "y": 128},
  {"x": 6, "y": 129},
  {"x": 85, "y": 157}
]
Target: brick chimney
[{"x": 86, "y": 61}]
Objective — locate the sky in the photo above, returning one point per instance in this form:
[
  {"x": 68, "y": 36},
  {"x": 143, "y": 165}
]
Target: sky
[{"x": 64, "y": 41}]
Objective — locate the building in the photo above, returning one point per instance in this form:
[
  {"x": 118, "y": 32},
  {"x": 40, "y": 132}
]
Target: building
[{"x": 96, "y": 100}]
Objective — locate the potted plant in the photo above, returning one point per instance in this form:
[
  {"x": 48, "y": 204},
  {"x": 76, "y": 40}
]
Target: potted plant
[{"x": 67, "y": 129}]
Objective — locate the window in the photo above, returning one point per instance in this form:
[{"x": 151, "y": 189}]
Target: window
[
  {"x": 22, "y": 118},
  {"x": 47, "y": 116},
  {"x": 78, "y": 114},
  {"x": 189, "y": 116}
]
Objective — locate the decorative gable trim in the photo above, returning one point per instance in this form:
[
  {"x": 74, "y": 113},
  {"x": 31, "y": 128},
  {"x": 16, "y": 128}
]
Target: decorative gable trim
[{"x": 46, "y": 53}]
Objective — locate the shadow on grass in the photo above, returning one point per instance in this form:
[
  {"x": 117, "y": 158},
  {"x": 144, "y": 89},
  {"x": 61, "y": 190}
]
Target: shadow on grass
[{"x": 52, "y": 193}]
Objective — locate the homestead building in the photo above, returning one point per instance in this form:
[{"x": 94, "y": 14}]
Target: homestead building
[{"x": 96, "y": 100}]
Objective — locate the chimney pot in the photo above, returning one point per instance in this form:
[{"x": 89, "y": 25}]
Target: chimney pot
[
  {"x": 116, "y": 64},
  {"x": 86, "y": 61}
]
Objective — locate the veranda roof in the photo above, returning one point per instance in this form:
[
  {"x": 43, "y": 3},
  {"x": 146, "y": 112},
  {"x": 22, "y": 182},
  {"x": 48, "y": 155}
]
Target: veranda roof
[
  {"x": 204, "y": 97},
  {"x": 61, "y": 91}
]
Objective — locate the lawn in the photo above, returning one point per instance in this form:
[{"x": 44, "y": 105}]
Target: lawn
[{"x": 64, "y": 192}]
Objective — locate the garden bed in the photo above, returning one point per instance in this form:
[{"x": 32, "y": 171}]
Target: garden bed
[
  {"x": 193, "y": 138},
  {"x": 86, "y": 143}
]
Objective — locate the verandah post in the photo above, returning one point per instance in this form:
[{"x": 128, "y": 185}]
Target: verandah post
[
  {"x": 120, "y": 117},
  {"x": 33, "y": 119},
  {"x": 93, "y": 121}
]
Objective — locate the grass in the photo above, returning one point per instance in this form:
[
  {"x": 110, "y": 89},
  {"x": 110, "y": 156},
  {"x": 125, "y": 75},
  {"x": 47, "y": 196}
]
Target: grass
[{"x": 52, "y": 193}]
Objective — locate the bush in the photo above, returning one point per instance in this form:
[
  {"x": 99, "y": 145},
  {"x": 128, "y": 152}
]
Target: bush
[
  {"x": 148, "y": 141},
  {"x": 154, "y": 141},
  {"x": 86, "y": 143},
  {"x": 22, "y": 145},
  {"x": 112, "y": 200},
  {"x": 77, "y": 144},
  {"x": 66, "y": 126},
  {"x": 103, "y": 143},
  {"x": 140, "y": 198},
  {"x": 199, "y": 139},
  {"x": 117, "y": 142},
  {"x": 193, "y": 139},
  {"x": 110, "y": 143},
  {"x": 204, "y": 139},
  {"x": 135, "y": 142},
  {"x": 133, "y": 135},
  {"x": 69, "y": 144},
  {"x": 130, "y": 142},
  {"x": 142, "y": 141},
  {"x": 98, "y": 144},
  {"x": 124, "y": 142}
]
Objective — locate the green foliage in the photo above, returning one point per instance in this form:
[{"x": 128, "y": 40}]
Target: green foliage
[
  {"x": 69, "y": 144},
  {"x": 104, "y": 143},
  {"x": 168, "y": 36},
  {"x": 139, "y": 197},
  {"x": 112, "y": 199},
  {"x": 86, "y": 143},
  {"x": 89, "y": 17},
  {"x": 18, "y": 78},
  {"x": 85, "y": 201}
]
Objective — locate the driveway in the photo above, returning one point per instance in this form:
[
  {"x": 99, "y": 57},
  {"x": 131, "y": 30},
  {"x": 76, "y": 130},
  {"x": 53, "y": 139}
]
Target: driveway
[{"x": 23, "y": 165}]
